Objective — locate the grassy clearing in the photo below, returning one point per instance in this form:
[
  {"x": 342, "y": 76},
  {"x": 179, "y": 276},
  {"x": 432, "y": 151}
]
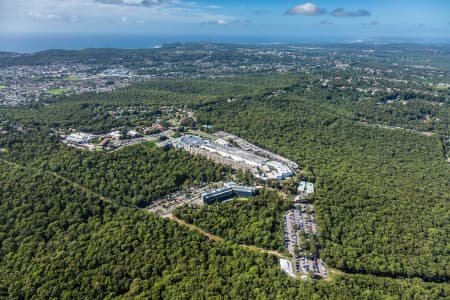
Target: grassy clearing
[
  {"x": 60, "y": 91},
  {"x": 151, "y": 144}
]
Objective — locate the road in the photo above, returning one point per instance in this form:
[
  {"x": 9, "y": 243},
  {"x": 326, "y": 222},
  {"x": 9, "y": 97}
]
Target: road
[
  {"x": 72, "y": 183},
  {"x": 383, "y": 126},
  {"x": 171, "y": 217},
  {"x": 216, "y": 238}
]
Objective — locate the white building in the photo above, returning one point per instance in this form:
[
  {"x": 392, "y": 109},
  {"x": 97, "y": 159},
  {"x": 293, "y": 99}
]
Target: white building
[
  {"x": 261, "y": 166},
  {"x": 305, "y": 188},
  {"x": 115, "y": 135},
  {"x": 133, "y": 133},
  {"x": 188, "y": 141},
  {"x": 80, "y": 138},
  {"x": 286, "y": 267},
  {"x": 222, "y": 142},
  {"x": 279, "y": 170}
]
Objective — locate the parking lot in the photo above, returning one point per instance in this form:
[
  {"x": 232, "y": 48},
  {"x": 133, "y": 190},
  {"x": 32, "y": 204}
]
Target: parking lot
[
  {"x": 164, "y": 206},
  {"x": 299, "y": 226},
  {"x": 297, "y": 223}
]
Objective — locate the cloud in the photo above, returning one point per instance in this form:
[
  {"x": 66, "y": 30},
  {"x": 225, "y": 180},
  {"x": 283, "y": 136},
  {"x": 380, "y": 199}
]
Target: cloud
[
  {"x": 40, "y": 16},
  {"x": 307, "y": 9},
  {"x": 342, "y": 13},
  {"x": 223, "y": 22},
  {"x": 52, "y": 17},
  {"x": 145, "y": 3},
  {"x": 110, "y": 16},
  {"x": 216, "y": 22},
  {"x": 372, "y": 23},
  {"x": 214, "y": 7}
]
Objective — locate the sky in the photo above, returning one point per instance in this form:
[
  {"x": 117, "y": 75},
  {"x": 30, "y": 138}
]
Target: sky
[{"x": 277, "y": 18}]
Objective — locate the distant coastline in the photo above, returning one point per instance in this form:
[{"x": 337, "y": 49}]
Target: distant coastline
[{"x": 34, "y": 42}]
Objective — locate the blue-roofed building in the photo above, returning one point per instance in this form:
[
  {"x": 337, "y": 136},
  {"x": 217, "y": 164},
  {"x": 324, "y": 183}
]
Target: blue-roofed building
[{"x": 227, "y": 192}]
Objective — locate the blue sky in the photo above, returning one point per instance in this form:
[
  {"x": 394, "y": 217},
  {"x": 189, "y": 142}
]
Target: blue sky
[{"x": 350, "y": 19}]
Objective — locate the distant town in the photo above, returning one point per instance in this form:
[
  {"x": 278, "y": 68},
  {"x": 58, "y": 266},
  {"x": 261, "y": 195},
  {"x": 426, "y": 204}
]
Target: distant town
[
  {"x": 28, "y": 84},
  {"x": 27, "y": 78}
]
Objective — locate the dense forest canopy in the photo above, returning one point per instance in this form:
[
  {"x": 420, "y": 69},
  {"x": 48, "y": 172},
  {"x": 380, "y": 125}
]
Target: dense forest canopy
[
  {"x": 132, "y": 176},
  {"x": 382, "y": 201},
  {"x": 59, "y": 242},
  {"x": 257, "y": 221}
]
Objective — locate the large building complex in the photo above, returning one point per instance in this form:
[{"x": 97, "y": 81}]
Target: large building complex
[
  {"x": 245, "y": 145},
  {"x": 267, "y": 167},
  {"x": 228, "y": 191}
]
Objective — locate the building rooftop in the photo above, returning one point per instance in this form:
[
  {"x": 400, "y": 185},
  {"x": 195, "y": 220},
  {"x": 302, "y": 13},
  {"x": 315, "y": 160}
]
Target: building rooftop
[
  {"x": 263, "y": 167},
  {"x": 230, "y": 188},
  {"x": 306, "y": 187},
  {"x": 286, "y": 267},
  {"x": 190, "y": 140}
]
